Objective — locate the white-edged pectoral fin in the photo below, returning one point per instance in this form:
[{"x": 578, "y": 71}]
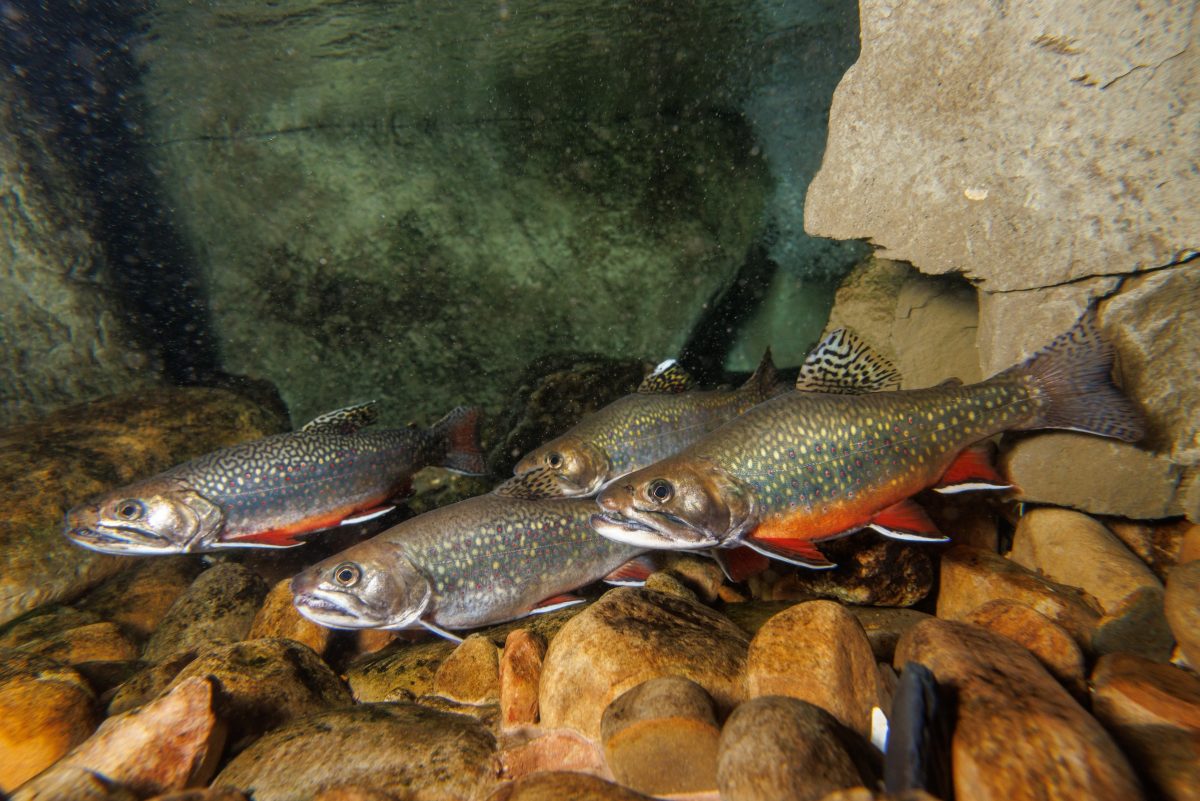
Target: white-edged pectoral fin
[{"x": 440, "y": 631}]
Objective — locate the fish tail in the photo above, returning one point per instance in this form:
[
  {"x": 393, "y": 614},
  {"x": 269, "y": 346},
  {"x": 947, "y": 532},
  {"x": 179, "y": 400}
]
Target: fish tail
[
  {"x": 459, "y": 431},
  {"x": 1073, "y": 375}
]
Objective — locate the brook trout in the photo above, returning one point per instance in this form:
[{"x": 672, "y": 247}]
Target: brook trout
[
  {"x": 806, "y": 467},
  {"x": 662, "y": 417},
  {"x": 270, "y": 492},
  {"x": 484, "y": 560}
]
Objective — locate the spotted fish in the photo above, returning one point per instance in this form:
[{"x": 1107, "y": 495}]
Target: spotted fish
[
  {"x": 806, "y": 467},
  {"x": 484, "y": 560},
  {"x": 270, "y": 492},
  {"x": 661, "y": 418}
]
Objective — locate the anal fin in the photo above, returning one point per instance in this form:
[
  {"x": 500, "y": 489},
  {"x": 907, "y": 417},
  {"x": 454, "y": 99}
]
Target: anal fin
[
  {"x": 908, "y": 522},
  {"x": 972, "y": 470},
  {"x": 633, "y": 573},
  {"x": 791, "y": 550},
  {"x": 555, "y": 602}
]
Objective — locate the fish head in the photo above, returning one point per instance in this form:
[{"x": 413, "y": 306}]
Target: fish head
[
  {"x": 675, "y": 504},
  {"x": 160, "y": 516},
  {"x": 371, "y": 586},
  {"x": 577, "y": 467}
]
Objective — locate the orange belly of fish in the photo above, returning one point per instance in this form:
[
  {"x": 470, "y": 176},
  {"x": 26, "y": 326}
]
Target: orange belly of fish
[
  {"x": 833, "y": 519},
  {"x": 283, "y": 536}
]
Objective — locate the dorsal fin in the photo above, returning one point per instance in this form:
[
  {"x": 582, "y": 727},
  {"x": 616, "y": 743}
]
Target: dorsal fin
[
  {"x": 343, "y": 421},
  {"x": 537, "y": 484},
  {"x": 845, "y": 365},
  {"x": 669, "y": 376},
  {"x": 765, "y": 376}
]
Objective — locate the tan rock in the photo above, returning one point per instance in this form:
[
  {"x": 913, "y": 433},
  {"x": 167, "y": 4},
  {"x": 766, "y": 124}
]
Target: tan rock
[
  {"x": 817, "y": 652},
  {"x": 1158, "y": 543},
  {"x": 557, "y": 750},
  {"x": 934, "y": 331},
  {"x": 971, "y": 577},
  {"x": 95, "y": 642},
  {"x": 216, "y": 609},
  {"x": 1154, "y": 712},
  {"x": 45, "y": 710},
  {"x": 471, "y": 674},
  {"x": 631, "y": 635},
  {"x": 1189, "y": 546},
  {"x": 863, "y": 794},
  {"x": 1050, "y": 643},
  {"x": 353, "y": 793},
  {"x": 202, "y": 794},
  {"x": 520, "y": 674},
  {"x": 660, "y": 737},
  {"x": 702, "y": 576},
  {"x": 148, "y": 683},
  {"x": 73, "y": 784},
  {"x": 399, "y": 748},
  {"x": 1019, "y": 734},
  {"x": 266, "y": 683},
  {"x": 775, "y": 747},
  {"x": 558, "y": 786},
  {"x": 168, "y": 744},
  {"x": 669, "y": 584},
  {"x": 884, "y": 626},
  {"x": 1182, "y": 604},
  {"x": 278, "y": 618},
  {"x": 866, "y": 302},
  {"x": 372, "y": 640},
  {"x": 138, "y": 599},
  {"x": 45, "y": 623}
]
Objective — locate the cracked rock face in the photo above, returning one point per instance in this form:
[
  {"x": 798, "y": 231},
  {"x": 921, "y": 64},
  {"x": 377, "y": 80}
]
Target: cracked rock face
[{"x": 1027, "y": 143}]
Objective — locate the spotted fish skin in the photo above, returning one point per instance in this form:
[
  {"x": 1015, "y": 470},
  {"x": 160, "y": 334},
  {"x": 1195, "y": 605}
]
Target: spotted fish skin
[
  {"x": 480, "y": 561},
  {"x": 639, "y": 429},
  {"x": 268, "y": 492},
  {"x": 805, "y": 467}
]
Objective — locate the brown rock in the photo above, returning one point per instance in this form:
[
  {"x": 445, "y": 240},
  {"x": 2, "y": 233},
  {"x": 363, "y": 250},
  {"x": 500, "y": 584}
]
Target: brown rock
[
  {"x": 266, "y": 683},
  {"x": 43, "y": 624},
  {"x": 1158, "y": 543},
  {"x": 816, "y": 652},
  {"x": 884, "y": 627},
  {"x": 278, "y": 618},
  {"x": 871, "y": 571},
  {"x": 775, "y": 747},
  {"x": 560, "y": 749},
  {"x": 168, "y": 744},
  {"x": 217, "y": 609},
  {"x": 967, "y": 518},
  {"x": 863, "y": 794},
  {"x": 1019, "y": 734},
  {"x": 670, "y": 584},
  {"x": 1073, "y": 549},
  {"x": 661, "y": 737},
  {"x": 352, "y": 793},
  {"x": 1050, "y": 643},
  {"x": 399, "y": 748},
  {"x": 148, "y": 683},
  {"x": 138, "y": 599},
  {"x": 631, "y": 635},
  {"x": 45, "y": 710},
  {"x": 202, "y": 794},
  {"x": 95, "y": 642},
  {"x": 971, "y": 577},
  {"x": 1154, "y": 712},
  {"x": 1189, "y": 546},
  {"x": 371, "y": 640},
  {"x": 1182, "y": 606},
  {"x": 471, "y": 673},
  {"x": 73, "y": 784},
  {"x": 520, "y": 674},
  {"x": 558, "y": 786},
  {"x": 702, "y": 576}
]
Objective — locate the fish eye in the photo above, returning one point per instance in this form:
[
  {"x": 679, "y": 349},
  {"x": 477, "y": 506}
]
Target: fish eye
[
  {"x": 347, "y": 574},
  {"x": 131, "y": 509},
  {"x": 660, "y": 490},
  {"x": 555, "y": 460}
]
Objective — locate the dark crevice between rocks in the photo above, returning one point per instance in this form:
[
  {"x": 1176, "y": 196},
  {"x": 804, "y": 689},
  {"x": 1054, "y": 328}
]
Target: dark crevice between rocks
[{"x": 77, "y": 66}]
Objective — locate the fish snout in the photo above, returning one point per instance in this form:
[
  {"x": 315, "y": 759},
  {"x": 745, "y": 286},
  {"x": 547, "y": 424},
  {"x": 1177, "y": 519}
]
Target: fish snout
[
  {"x": 302, "y": 584},
  {"x": 616, "y": 497}
]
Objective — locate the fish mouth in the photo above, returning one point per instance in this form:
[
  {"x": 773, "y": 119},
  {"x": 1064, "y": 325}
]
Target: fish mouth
[
  {"x": 332, "y": 609},
  {"x": 662, "y": 531},
  {"x": 122, "y": 541}
]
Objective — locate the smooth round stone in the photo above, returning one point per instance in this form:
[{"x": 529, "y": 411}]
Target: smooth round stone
[
  {"x": 95, "y": 642},
  {"x": 278, "y": 618},
  {"x": 471, "y": 674},
  {"x": 138, "y": 599},
  {"x": 520, "y": 675},
  {"x": 148, "y": 683},
  {"x": 44, "y": 624},
  {"x": 1182, "y": 606},
  {"x": 560, "y": 786},
  {"x": 1046, "y": 640},
  {"x": 202, "y": 794},
  {"x": 216, "y": 609}
]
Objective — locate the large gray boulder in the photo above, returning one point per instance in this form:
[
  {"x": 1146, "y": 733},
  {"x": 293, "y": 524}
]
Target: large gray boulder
[{"x": 1025, "y": 143}]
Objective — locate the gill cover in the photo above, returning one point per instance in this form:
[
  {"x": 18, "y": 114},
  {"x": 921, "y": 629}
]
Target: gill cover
[{"x": 577, "y": 467}]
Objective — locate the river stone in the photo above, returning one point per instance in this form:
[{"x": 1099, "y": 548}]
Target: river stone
[
  {"x": 45, "y": 623},
  {"x": 54, "y": 463},
  {"x": 138, "y": 599},
  {"x": 278, "y": 618},
  {"x": 775, "y": 747},
  {"x": 471, "y": 673},
  {"x": 1073, "y": 549},
  {"x": 871, "y": 570},
  {"x": 1158, "y": 543},
  {"x": 971, "y": 578},
  {"x": 520, "y": 675},
  {"x": 149, "y": 682},
  {"x": 1019, "y": 734},
  {"x": 1183, "y": 609},
  {"x": 963, "y": 140},
  {"x": 1189, "y": 547},
  {"x": 266, "y": 683},
  {"x": 217, "y": 609},
  {"x": 73, "y": 784},
  {"x": 353, "y": 793},
  {"x": 202, "y": 794},
  {"x": 1050, "y": 643},
  {"x": 700, "y": 575},
  {"x": 67, "y": 337},
  {"x": 660, "y": 737},
  {"x": 45, "y": 710},
  {"x": 559, "y": 749},
  {"x": 400, "y": 748},
  {"x": 1154, "y": 712},
  {"x": 168, "y": 744},
  {"x": 559, "y": 785},
  {"x": 95, "y": 642},
  {"x": 817, "y": 652},
  {"x": 631, "y": 635},
  {"x": 884, "y": 627}
]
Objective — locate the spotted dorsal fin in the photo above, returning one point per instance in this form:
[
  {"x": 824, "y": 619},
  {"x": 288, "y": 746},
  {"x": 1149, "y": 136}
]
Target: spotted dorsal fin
[
  {"x": 669, "y": 376},
  {"x": 764, "y": 382},
  {"x": 845, "y": 365},
  {"x": 534, "y": 485},
  {"x": 343, "y": 421}
]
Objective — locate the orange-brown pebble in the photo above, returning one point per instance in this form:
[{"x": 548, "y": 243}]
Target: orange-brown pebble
[
  {"x": 559, "y": 786},
  {"x": 520, "y": 673},
  {"x": 1046, "y": 640},
  {"x": 471, "y": 674},
  {"x": 278, "y": 618}
]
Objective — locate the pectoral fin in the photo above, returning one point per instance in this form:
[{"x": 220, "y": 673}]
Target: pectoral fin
[
  {"x": 633, "y": 573},
  {"x": 739, "y": 564}
]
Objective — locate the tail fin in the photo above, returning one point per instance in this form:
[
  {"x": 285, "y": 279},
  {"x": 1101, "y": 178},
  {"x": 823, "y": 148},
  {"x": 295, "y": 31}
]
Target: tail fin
[
  {"x": 460, "y": 431},
  {"x": 1074, "y": 375}
]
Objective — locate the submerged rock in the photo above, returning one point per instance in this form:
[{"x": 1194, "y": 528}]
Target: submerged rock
[
  {"x": 399, "y": 748},
  {"x": 277, "y": 617},
  {"x": 520, "y": 676},
  {"x": 556, "y": 786},
  {"x": 1050, "y": 643},
  {"x": 138, "y": 599},
  {"x": 217, "y": 609},
  {"x": 471, "y": 673},
  {"x": 870, "y": 570},
  {"x": 1183, "y": 609}
]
